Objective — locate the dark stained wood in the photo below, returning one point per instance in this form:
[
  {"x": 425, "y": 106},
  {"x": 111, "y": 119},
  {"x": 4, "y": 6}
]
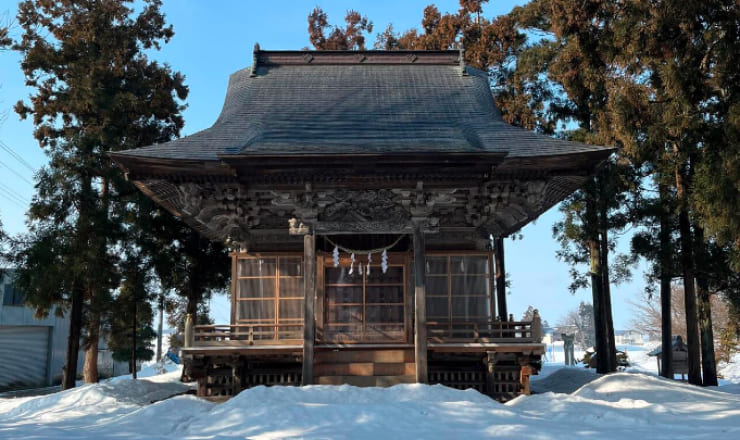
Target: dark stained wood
[
  {"x": 377, "y": 354},
  {"x": 499, "y": 347},
  {"x": 365, "y": 369},
  {"x": 254, "y": 350},
  {"x": 409, "y": 301},
  {"x": 234, "y": 280},
  {"x": 366, "y": 381},
  {"x": 492, "y": 286},
  {"x": 500, "y": 278},
  {"x": 309, "y": 286},
  {"x": 320, "y": 297},
  {"x": 420, "y": 323},
  {"x": 339, "y": 57}
]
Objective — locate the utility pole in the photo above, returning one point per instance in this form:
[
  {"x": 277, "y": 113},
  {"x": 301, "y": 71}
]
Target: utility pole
[{"x": 159, "y": 328}]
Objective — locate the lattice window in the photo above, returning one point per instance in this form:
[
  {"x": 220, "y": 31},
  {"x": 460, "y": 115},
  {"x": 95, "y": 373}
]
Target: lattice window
[
  {"x": 458, "y": 288},
  {"x": 269, "y": 291},
  {"x": 365, "y": 307}
]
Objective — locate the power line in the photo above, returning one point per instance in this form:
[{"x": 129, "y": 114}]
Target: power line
[
  {"x": 9, "y": 197},
  {"x": 16, "y": 173},
  {"x": 16, "y": 156},
  {"x": 13, "y": 192}
]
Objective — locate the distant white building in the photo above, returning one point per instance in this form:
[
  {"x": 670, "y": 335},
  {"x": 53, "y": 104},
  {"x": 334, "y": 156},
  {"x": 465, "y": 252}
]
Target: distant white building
[{"x": 628, "y": 337}]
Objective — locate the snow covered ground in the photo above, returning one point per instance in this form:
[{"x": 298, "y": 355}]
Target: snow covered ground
[{"x": 618, "y": 406}]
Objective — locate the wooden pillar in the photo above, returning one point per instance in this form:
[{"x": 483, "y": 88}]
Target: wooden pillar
[
  {"x": 420, "y": 306},
  {"x": 498, "y": 255},
  {"x": 309, "y": 290},
  {"x": 490, "y": 361}
]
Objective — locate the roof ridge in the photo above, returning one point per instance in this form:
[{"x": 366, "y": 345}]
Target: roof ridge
[{"x": 347, "y": 57}]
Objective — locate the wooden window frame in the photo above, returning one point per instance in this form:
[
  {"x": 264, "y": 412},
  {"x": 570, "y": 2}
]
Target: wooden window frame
[
  {"x": 448, "y": 255},
  {"x": 236, "y": 299},
  {"x": 394, "y": 260}
]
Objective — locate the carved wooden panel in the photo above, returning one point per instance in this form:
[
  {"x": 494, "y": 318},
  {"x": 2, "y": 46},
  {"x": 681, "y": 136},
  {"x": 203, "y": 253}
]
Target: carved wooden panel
[{"x": 222, "y": 210}]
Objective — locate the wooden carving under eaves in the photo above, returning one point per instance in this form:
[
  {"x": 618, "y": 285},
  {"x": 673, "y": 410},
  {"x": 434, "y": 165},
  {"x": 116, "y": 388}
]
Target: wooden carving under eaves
[
  {"x": 500, "y": 207},
  {"x": 232, "y": 210}
]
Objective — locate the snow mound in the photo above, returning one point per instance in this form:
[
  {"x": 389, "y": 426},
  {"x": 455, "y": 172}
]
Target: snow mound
[
  {"x": 731, "y": 371},
  {"x": 161, "y": 418},
  {"x": 352, "y": 395},
  {"x": 98, "y": 400},
  {"x": 325, "y": 411},
  {"x": 564, "y": 380},
  {"x": 616, "y": 406},
  {"x": 652, "y": 389},
  {"x": 638, "y": 406}
]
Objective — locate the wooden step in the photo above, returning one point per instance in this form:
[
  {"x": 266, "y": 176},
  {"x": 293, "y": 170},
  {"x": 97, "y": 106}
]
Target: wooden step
[
  {"x": 365, "y": 381},
  {"x": 364, "y": 356},
  {"x": 365, "y": 369}
]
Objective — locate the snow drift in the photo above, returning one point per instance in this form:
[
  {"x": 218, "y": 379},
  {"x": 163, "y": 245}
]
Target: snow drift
[{"x": 618, "y": 406}]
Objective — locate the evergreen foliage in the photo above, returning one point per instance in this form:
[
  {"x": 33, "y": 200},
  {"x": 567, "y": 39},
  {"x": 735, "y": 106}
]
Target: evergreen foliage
[
  {"x": 95, "y": 91},
  {"x": 132, "y": 312}
]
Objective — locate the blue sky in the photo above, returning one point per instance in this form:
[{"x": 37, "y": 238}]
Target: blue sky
[{"x": 214, "y": 39}]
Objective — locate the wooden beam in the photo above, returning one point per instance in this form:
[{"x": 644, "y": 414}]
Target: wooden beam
[
  {"x": 309, "y": 293},
  {"x": 362, "y": 227},
  {"x": 420, "y": 321},
  {"x": 500, "y": 278}
]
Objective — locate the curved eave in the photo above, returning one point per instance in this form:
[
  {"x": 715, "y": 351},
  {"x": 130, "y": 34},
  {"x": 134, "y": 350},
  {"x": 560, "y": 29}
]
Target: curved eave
[
  {"x": 234, "y": 167},
  {"x": 136, "y": 167}
]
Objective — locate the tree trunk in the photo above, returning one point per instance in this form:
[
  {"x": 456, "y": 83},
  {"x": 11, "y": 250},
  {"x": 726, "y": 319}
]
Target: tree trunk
[
  {"x": 602, "y": 345},
  {"x": 708, "y": 363},
  {"x": 133, "y": 340},
  {"x": 192, "y": 306},
  {"x": 687, "y": 267},
  {"x": 607, "y": 297},
  {"x": 69, "y": 374},
  {"x": 597, "y": 287},
  {"x": 90, "y": 371},
  {"x": 664, "y": 255}
]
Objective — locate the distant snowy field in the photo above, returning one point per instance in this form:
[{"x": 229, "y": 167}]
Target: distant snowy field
[{"x": 619, "y": 406}]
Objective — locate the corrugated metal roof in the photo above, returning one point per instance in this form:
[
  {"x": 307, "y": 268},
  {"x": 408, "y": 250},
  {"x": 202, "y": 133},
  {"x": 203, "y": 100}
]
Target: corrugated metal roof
[{"x": 350, "y": 102}]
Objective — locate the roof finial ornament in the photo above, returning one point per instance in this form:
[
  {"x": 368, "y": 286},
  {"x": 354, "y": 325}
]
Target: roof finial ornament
[{"x": 255, "y": 59}]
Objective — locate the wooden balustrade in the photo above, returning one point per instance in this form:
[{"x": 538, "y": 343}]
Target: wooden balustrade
[
  {"x": 493, "y": 331},
  {"x": 437, "y": 332},
  {"x": 249, "y": 334}
]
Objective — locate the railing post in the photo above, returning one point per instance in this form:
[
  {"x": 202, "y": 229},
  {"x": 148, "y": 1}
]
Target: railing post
[{"x": 188, "y": 342}]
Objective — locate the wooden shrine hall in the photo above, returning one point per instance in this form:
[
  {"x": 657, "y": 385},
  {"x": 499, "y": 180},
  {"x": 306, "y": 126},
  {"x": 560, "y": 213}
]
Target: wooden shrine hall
[{"x": 366, "y": 196}]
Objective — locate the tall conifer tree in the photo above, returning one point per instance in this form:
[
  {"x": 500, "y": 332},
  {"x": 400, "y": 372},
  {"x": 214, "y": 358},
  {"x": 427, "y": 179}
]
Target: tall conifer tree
[
  {"x": 679, "y": 55},
  {"x": 95, "y": 91}
]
